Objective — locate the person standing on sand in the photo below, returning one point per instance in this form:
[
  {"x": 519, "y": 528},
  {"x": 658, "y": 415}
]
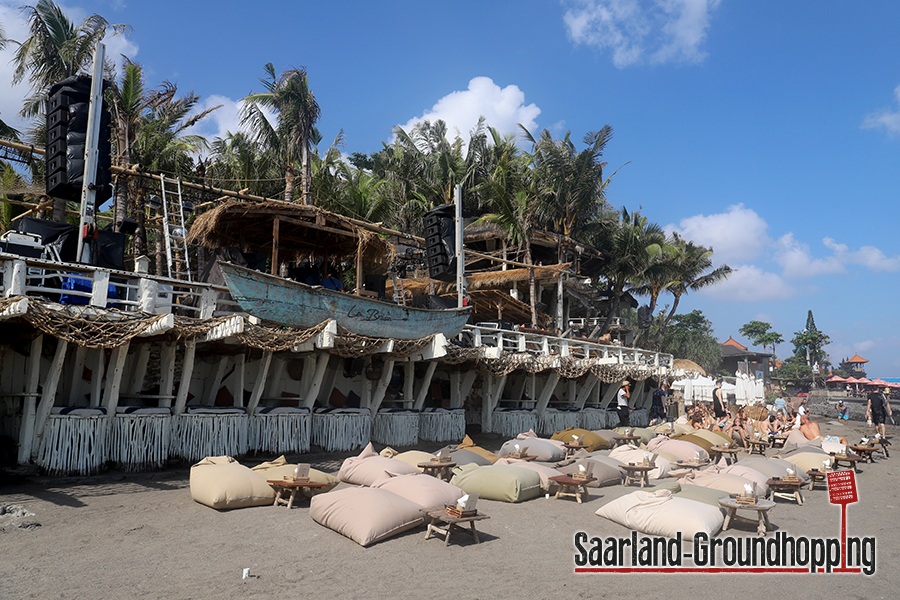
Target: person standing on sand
[
  {"x": 658, "y": 408},
  {"x": 877, "y": 408},
  {"x": 719, "y": 407},
  {"x": 623, "y": 398}
]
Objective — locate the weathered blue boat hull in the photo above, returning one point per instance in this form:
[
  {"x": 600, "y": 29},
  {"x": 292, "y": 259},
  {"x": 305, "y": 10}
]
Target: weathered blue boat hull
[{"x": 299, "y": 305}]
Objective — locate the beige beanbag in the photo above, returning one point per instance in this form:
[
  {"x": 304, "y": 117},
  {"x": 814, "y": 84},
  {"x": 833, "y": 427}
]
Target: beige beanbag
[
  {"x": 591, "y": 439},
  {"x": 424, "y": 490},
  {"x": 544, "y": 472},
  {"x": 660, "y": 513},
  {"x": 544, "y": 450},
  {"x": 645, "y": 434},
  {"x": 605, "y": 473},
  {"x": 498, "y": 482},
  {"x": 410, "y": 457},
  {"x": 773, "y": 467},
  {"x": 730, "y": 484},
  {"x": 222, "y": 483},
  {"x": 807, "y": 461},
  {"x": 278, "y": 468},
  {"x": 684, "y": 450},
  {"x": 368, "y": 467},
  {"x": 365, "y": 515},
  {"x": 627, "y": 454},
  {"x": 469, "y": 444}
]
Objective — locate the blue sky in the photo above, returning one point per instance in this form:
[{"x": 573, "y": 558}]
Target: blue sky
[{"x": 768, "y": 130}]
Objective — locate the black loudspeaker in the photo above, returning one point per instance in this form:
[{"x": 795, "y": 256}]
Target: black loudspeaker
[{"x": 440, "y": 243}]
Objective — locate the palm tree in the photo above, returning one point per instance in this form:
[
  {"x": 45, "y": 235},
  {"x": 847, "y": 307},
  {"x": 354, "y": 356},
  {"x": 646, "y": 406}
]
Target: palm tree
[
  {"x": 572, "y": 186},
  {"x": 56, "y": 49},
  {"x": 660, "y": 275},
  {"x": 297, "y": 112},
  {"x": 693, "y": 271},
  {"x": 511, "y": 189},
  {"x": 631, "y": 241}
]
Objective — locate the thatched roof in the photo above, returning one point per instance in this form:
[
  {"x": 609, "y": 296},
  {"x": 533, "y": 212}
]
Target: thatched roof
[
  {"x": 688, "y": 365},
  {"x": 487, "y": 280},
  {"x": 302, "y": 230}
]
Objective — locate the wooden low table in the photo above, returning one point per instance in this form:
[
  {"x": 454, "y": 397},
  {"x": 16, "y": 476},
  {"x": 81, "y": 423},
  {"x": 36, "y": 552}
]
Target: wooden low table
[
  {"x": 728, "y": 452},
  {"x": 568, "y": 486},
  {"x": 572, "y": 448},
  {"x": 790, "y": 490},
  {"x": 761, "y": 507},
  {"x": 441, "y": 522},
  {"x": 758, "y": 445},
  {"x": 692, "y": 465},
  {"x": 779, "y": 440},
  {"x": 637, "y": 474},
  {"x": 865, "y": 452},
  {"x": 850, "y": 460},
  {"x": 526, "y": 458},
  {"x": 441, "y": 470},
  {"x": 627, "y": 439},
  {"x": 816, "y": 477},
  {"x": 284, "y": 487}
]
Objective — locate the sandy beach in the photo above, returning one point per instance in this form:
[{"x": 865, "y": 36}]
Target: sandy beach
[{"x": 142, "y": 536}]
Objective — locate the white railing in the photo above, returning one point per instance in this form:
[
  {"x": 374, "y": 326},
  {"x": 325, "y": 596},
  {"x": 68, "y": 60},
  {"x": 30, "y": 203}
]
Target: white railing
[
  {"x": 520, "y": 341},
  {"x": 131, "y": 291}
]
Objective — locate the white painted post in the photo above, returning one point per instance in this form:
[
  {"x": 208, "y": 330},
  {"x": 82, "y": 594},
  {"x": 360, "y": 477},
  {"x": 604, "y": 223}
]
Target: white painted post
[
  {"x": 273, "y": 380},
  {"x": 260, "y": 383},
  {"x": 139, "y": 371},
  {"x": 586, "y": 390},
  {"x": 100, "y": 288},
  {"x": 33, "y": 373},
  {"x": 148, "y": 292},
  {"x": 17, "y": 281},
  {"x": 114, "y": 379},
  {"x": 409, "y": 372},
  {"x": 167, "y": 373},
  {"x": 378, "y": 397},
  {"x": 207, "y": 303},
  {"x": 546, "y": 391},
  {"x": 237, "y": 384},
  {"x": 316, "y": 385},
  {"x": 77, "y": 375},
  {"x": 48, "y": 396},
  {"x": 487, "y": 414},
  {"x": 424, "y": 385},
  {"x": 187, "y": 370},
  {"x": 97, "y": 377},
  {"x": 216, "y": 383}
]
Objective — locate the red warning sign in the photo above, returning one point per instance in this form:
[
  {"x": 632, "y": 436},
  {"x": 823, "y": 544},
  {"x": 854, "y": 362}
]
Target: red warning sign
[{"x": 842, "y": 487}]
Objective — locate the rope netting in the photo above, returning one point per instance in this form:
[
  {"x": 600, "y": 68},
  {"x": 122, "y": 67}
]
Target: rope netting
[
  {"x": 351, "y": 345},
  {"x": 87, "y": 326}
]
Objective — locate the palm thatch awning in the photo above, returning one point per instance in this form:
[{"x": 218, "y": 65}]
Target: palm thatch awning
[
  {"x": 488, "y": 280},
  {"x": 688, "y": 365},
  {"x": 301, "y": 230}
]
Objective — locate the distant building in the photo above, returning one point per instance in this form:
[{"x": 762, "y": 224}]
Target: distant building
[
  {"x": 855, "y": 366},
  {"x": 736, "y": 356}
]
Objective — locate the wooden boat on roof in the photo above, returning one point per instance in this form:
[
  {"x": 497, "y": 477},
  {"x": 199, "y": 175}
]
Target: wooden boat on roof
[{"x": 291, "y": 231}]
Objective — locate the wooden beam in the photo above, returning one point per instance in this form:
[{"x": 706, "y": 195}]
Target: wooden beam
[
  {"x": 380, "y": 390},
  {"x": 114, "y": 379},
  {"x": 320, "y": 227},
  {"x": 260, "y": 383},
  {"x": 316, "y": 385},
  {"x": 546, "y": 391},
  {"x": 97, "y": 376},
  {"x": 586, "y": 390},
  {"x": 48, "y": 396},
  {"x": 216, "y": 383},
  {"x": 32, "y": 377},
  {"x": 275, "y": 227},
  {"x": 424, "y": 385},
  {"x": 187, "y": 371},
  {"x": 136, "y": 383},
  {"x": 167, "y": 373},
  {"x": 237, "y": 384}
]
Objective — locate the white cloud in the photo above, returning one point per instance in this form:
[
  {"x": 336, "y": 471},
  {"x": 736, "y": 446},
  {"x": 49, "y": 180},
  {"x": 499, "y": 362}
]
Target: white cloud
[
  {"x": 797, "y": 262},
  {"x": 885, "y": 119},
  {"x": 654, "y": 31},
  {"x": 738, "y": 235},
  {"x": 749, "y": 283},
  {"x": 796, "y": 259},
  {"x": 15, "y": 25},
  {"x": 503, "y": 109}
]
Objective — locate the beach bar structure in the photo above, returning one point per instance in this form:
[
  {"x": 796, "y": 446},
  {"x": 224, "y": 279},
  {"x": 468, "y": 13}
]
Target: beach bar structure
[{"x": 102, "y": 367}]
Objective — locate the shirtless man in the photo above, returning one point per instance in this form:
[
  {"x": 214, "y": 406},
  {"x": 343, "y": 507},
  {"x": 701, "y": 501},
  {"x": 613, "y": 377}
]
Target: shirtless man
[{"x": 811, "y": 431}]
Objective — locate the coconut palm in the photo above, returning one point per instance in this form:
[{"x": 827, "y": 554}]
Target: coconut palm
[
  {"x": 693, "y": 271},
  {"x": 296, "y": 114},
  {"x": 631, "y": 242},
  {"x": 55, "y": 49}
]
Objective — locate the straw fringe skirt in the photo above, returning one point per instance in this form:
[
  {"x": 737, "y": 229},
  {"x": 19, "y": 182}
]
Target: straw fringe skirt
[
  {"x": 195, "y": 437},
  {"x": 396, "y": 429},
  {"x": 341, "y": 432},
  {"x": 442, "y": 426},
  {"x": 74, "y": 445},
  {"x": 140, "y": 442},
  {"x": 280, "y": 433}
]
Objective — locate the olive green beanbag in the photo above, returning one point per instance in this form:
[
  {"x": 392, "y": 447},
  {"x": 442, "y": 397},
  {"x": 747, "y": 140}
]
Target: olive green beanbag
[{"x": 498, "y": 482}]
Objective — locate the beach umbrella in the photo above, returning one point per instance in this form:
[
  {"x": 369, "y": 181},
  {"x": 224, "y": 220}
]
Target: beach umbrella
[
  {"x": 879, "y": 382},
  {"x": 836, "y": 379}
]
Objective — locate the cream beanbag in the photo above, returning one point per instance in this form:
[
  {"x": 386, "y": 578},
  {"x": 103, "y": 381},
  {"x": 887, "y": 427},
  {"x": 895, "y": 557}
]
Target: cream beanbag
[
  {"x": 222, "y": 483},
  {"x": 280, "y": 467},
  {"x": 470, "y": 445},
  {"x": 774, "y": 467},
  {"x": 544, "y": 472},
  {"x": 498, "y": 482},
  {"x": 368, "y": 467},
  {"x": 660, "y": 513},
  {"x": 412, "y": 458},
  {"x": 590, "y": 439},
  {"x": 365, "y": 515},
  {"x": 627, "y": 454},
  {"x": 730, "y": 484},
  {"x": 467, "y": 457},
  {"x": 424, "y": 490},
  {"x": 605, "y": 473},
  {"x": 542, "y": 449},
  {"x": 683, "y": 450}
]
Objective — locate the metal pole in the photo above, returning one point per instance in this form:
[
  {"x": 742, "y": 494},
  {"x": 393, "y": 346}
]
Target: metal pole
[
  {"x": 91, "y": 153},
  {"x": 460, "y": 253}
]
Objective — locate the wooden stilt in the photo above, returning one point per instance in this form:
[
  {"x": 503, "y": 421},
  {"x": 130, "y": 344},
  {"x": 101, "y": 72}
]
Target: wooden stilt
[
  {"x": 114, "y": 379},
  {"x": 76, "y": 377},
  {"x": 380, "y": 390},
  {"x": 139, "y": 371},
  {"x": 187, "y": 371},
  {"x": 99, "y": 364},
  {"x": 216, "y": 382},
  {"x": 33, "y": 373},
  {"x": 546, "y": 392},
  {"x": 167, "y": 373},
  {"x": 48, "y": 395},
  {"x": 424, "y": 385},
  {"x": 237, "y": 380},
  {"x": 316, "y": 385},
  {"x": 260, "y": 383}
]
